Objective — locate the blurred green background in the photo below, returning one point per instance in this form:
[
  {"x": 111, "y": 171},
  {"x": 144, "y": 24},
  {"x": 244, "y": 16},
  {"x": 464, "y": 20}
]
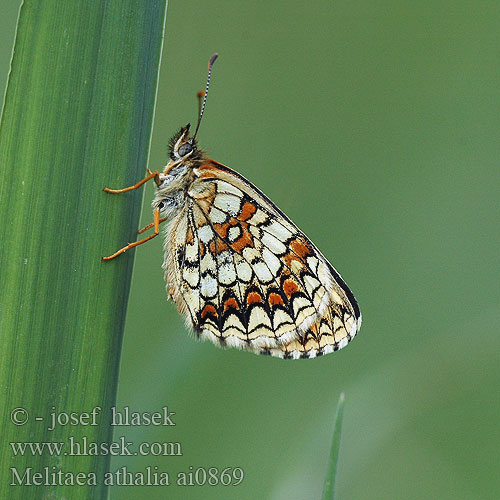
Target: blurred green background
[{"x": 374, "y": 126}]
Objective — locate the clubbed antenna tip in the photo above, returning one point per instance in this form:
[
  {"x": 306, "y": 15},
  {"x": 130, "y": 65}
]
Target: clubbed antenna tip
[{"x": 212, "y": 60}]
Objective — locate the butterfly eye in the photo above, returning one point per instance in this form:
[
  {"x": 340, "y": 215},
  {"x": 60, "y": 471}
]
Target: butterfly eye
[
  {"x": 161, "y": 205},
  {"x": 185, "y": 149}
]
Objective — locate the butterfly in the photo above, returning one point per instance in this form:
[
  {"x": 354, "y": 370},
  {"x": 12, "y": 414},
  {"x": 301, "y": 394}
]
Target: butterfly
[{"x": 237, "y": 267}]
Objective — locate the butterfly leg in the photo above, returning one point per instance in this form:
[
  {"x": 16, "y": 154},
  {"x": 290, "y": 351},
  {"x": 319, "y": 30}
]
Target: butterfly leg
[
  {"x": 151, "y": 175},
  {"x": 149, "y": 226},
  {"x": 156, "y": 224}
]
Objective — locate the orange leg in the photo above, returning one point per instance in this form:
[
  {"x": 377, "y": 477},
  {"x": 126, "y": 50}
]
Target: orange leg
[
  {"x": 152, "y": 175},
  {"x": 156, "y": 224},
  {"x": 149, "y": 226}
]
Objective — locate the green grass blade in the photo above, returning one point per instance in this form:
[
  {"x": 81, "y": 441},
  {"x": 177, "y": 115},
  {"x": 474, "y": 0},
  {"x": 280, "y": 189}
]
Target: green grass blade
[
  {"x": 331, "y": 473},
  {"x": 77, "y": 116}
]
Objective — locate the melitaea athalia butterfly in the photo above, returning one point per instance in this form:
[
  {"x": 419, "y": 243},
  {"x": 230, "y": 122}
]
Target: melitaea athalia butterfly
[{"x": 238, "y": 268}]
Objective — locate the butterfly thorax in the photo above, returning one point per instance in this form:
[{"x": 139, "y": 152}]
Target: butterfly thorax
[{"x": 178, "y": 174}]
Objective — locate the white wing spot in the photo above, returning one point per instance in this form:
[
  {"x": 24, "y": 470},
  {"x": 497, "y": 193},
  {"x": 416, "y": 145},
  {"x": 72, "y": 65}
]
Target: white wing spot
[
  {"x": 273, "y": 243},
  {"x": 225, "y": 187},
  {"x": 343, "y": 343},
  {"x": 216, "y": 216},
  {"x": 281, "y": 318},
  {"x": 273, "y": 263},
  {"x": 258, "y": 217},
  {"x": 328, "y": 349},
  {"x": 262, "y": 272},
  {"x": 313, "y": 262},
  {"x": 192, "y": 298},
  {"x": 207, "y": 263},
  {"x": 226, "y": 270},
  {"x": 301, "y": 304},
  {"x": 228, "y": 203},
  {"x": 311, "y": 283},
  {"x": 250, "y": 254},
  {"x": 258, "y": 317},
  {"x": 192, "y": 252},
  {"x": 279, "y": 231},
  {"x": 208, "y": 286},
  {"x": 244, "y": 270},
  {"x": 234, "y": 322},
  {"x": 205, "y": 233},
  {"x": 234, "y": 233},
  {"x": 191, "y": 275},
  {"x": 255, "y": 232}
]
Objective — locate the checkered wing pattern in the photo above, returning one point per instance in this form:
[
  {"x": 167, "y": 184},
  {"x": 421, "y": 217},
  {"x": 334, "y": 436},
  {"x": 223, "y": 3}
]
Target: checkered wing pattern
[{"x": 245, "y": 276}]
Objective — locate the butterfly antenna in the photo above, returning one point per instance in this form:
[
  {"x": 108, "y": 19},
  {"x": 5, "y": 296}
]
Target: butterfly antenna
[
  {"x": 210, "y": 64},
  {"x": 200, "y": 95}
]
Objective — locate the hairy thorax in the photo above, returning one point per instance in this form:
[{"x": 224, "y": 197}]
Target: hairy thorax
[{"x": 171, "y": 194}]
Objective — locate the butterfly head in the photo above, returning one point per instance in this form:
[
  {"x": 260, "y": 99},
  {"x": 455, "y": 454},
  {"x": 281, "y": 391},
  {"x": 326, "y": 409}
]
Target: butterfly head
[{"x": 184, "y": 147}]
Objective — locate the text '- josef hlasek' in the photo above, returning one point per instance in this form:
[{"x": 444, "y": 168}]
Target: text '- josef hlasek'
[{"x": 120, "y": 418}]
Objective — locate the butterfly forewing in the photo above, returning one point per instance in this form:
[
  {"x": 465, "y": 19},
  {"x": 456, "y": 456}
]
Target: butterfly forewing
[{"x": 245, "y": 276}]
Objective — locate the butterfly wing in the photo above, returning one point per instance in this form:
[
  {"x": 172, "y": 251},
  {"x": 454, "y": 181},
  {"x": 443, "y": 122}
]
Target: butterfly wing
[
  {"x": 333, "y": 331},
  {"x": 245, "y": 276}
]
